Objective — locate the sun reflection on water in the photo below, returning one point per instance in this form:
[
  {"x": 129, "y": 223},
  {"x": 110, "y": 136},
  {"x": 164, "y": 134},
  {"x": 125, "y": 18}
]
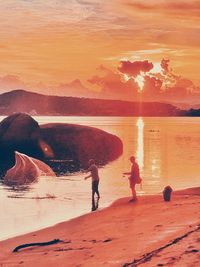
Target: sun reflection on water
[{"x": 140, "y": 143}]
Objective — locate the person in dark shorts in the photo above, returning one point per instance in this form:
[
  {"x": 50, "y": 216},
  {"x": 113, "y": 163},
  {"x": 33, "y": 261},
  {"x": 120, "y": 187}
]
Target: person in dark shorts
[{"x": 95, "y": 182}]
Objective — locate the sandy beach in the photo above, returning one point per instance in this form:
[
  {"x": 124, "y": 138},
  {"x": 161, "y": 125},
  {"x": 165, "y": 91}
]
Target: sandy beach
[{"x": 149, "y": 232}]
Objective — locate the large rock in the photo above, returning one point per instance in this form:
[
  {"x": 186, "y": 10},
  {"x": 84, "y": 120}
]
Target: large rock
[
  {"x": 19, "y": 132},
  {"x": 58, "y": 142},
  {"x": 81, "y": 143}
]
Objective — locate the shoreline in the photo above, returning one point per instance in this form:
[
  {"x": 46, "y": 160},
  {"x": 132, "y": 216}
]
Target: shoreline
[
  {"x": 83, "y": 214},
  {"x": 112, "y": 236}
]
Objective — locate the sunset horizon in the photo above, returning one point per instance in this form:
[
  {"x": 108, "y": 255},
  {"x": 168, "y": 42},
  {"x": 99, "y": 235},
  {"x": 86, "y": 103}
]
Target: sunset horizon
[{"x": 95, "y": 49}]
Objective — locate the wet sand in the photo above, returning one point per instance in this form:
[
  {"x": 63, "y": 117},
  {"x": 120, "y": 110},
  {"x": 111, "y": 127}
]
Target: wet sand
[{"x": 149, "y": 232}]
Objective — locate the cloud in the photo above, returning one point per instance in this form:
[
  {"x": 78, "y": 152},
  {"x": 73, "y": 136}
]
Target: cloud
[
  {"x": 75, "y": 89},
  {"x": 167, "y": 6},
  {"x": 174, "y": 87},
  {"x": 152, "y": 86},
  {"x": 170, "y": 79},
  {"x": 135, "y": 68},
  {"x": 164, "y": 85},
  {"x": 113, "y": 85},
  {"x": 160, "y": 84},
  {"x": 10, "y": 82},
  {"x": 165, "y": 65}
]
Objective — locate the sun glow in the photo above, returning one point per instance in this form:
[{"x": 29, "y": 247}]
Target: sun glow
[
  {"x": 156, "y": 68},
  {"x": 126, "y": 77},
  {"x": 140, "y": 81},
  {"x": 140, "y": 78}
]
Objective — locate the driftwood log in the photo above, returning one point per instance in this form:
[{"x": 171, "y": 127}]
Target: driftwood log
[{"x": 54, "y": 241}]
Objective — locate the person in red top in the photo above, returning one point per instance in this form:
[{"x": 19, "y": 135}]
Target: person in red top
[
  {"x": 95, "y": 182},
  {"x": 134, "y": 177}
]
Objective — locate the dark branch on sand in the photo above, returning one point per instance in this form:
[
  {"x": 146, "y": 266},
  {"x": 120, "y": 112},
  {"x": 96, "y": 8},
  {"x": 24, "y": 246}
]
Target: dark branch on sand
[
  {"x": 147, "y": 257},
  {"x": 54, "y": 241}
]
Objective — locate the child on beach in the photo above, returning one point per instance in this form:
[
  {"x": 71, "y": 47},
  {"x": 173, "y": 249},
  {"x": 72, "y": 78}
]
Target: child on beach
[
  {"x": 95, "y": 182},
  {"x": 134, "y": 177}
]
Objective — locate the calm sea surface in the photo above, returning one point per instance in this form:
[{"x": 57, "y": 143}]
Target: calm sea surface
[{"x": 167, "y": 150}]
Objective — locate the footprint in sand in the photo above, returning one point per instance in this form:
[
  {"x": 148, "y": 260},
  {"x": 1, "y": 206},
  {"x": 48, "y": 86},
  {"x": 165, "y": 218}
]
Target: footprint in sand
[
  {"x": 158, "y": 225},
  {"x": 140, "y": 233},
  {"x": 171, "y": 259},
  {"x": 107, "y": 240}
]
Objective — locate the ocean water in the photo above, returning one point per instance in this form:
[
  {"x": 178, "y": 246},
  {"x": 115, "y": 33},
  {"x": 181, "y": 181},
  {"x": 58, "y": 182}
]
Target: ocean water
[{"x": 167, "y": 151}]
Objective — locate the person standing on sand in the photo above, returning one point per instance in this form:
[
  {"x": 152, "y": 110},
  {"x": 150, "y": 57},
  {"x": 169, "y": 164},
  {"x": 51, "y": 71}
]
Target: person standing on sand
[
  {"x": 95, "y": 182},
  {"x": 134, "y": 177}
]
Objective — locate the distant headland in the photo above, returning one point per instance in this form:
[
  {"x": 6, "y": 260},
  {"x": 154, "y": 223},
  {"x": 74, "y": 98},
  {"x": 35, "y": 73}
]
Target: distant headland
[{"x": 38, "y": 104}]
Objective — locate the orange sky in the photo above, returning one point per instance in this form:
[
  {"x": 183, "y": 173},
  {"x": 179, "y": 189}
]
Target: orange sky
[{"x": 47, "y": 43}]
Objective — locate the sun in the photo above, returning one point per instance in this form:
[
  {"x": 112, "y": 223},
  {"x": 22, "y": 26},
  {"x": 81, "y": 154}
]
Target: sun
[{"x": 139, "y": 79}]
